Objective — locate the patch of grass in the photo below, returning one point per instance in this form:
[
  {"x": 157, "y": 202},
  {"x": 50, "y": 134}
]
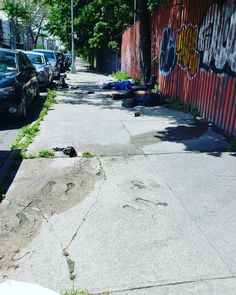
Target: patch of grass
[
  {"x": 87, "y": 154},
  {"x": 186, "y": 108},
  {"x": 121, "y": 76},
  {"x": 46, "y": 154},
  {"x": 75, "y": 292},
  {"x": 232, "y": 146},
  {"x": 28, "y": 132}
]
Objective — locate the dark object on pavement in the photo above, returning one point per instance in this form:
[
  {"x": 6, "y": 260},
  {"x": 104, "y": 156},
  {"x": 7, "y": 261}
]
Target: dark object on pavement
[
  {"x": 62, "y": 82},
  {"x": 148, "y": 86},
  {"x": 118, "y": 85},
  {"x": 90, "y": 92},
  {"x": 146, "y": 100},
  {"x": 74, "y": 87},
  {"x": 119, "y": 96},
  {"x": 137, "y": 114},
  {"x": 68, "y": 151}
]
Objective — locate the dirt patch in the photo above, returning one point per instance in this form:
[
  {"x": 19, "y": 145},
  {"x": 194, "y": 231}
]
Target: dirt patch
[{"x": 40, "y": 191}]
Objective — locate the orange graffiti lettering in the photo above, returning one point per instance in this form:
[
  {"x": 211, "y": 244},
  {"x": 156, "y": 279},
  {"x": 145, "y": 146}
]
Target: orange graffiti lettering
[{"x": 186, "y": 44}]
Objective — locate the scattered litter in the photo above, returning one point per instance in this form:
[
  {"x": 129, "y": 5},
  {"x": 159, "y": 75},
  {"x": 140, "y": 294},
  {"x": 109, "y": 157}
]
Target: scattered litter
[
  {"x": 68, "y": 151},
  {"x": 137, "y": 114},
  {"x": 147, "y": 100},
  {"x": 118, "y": 85},
  {"x": 74, "y": 87},
  {"x": 62, "y": 83}
]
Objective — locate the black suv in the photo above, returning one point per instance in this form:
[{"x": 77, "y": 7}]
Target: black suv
[{"x": 18, "y": 82}]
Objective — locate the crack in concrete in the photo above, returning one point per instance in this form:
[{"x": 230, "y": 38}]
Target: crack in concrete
[
  {"x": 165, "y": 285},
  {"x": 70, "y": 262}
]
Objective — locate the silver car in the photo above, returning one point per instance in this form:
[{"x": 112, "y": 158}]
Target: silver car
[
  {"x": 43, "y": 68},
  {"x": 52, "y": 57}
]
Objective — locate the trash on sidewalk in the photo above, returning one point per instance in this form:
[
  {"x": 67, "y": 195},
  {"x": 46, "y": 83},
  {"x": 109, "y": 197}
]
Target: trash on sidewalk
[
  {"x": 62, "y": 83},
  {"x": 118, "y": 85},
  {"x": 146, "y": 99},
  {"x": 74, "y": 87},
  {"x": 137, "y": 114},
  {"x": 68, "y": 151}
]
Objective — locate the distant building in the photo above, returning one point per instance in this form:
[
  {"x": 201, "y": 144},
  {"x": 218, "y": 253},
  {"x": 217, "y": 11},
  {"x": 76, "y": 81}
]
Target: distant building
[{"x": 5, "y": 31}]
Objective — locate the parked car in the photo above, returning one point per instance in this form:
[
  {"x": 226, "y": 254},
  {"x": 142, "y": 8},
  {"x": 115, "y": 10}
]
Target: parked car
[
  {"x": 53, "y": 59},
  {"x": 43, "y": 68},
  {"x": 18, "y": 82}
]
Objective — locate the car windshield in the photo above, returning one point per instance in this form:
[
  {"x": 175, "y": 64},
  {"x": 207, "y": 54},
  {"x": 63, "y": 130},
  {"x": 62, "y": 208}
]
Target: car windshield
[
  {"x": 36, "y": 59},
  {"x": 7, "y": 62},
  {"x": 49, "y": 55}
]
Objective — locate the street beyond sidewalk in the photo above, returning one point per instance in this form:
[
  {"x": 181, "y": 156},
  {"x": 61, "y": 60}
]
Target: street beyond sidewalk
[{"x": 153, "y": 212}]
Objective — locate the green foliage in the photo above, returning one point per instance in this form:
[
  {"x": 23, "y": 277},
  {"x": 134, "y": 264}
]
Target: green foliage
[
  {"x": 76, "y": 292},
  {"x": 28, "y": 132},
  {"x": 98, "y": 23},
  {"x": 232, "y": 146},
  {"x": 121, "y": 76},
  {"x": 154, "y": 4},
  {"x": 46, "y": 154},
  {"x": 87, "y": 154}
]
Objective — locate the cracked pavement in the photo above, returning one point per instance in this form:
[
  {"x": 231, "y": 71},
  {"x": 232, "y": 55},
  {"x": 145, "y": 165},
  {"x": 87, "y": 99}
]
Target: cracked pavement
[{"x": 152, "y": 213}]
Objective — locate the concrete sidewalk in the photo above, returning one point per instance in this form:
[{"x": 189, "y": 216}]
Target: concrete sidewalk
[{"x": 152, "y": 213}]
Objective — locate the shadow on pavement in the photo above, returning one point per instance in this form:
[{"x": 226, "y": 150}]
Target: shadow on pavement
[
  {"x": 8, "y": 171},
  {"x": 196, "y": 135},
  {"x": 10, "y": 161}
]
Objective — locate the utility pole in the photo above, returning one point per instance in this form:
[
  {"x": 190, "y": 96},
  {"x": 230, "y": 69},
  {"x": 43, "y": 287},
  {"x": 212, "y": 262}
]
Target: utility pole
[
  {"x": 135, "y": 11},
  {"x": 73, "y": 69}
]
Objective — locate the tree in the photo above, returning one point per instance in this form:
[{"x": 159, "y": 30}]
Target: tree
[
  {"x": 98, "y": 23},
  {"x": 27, "y": 15}
]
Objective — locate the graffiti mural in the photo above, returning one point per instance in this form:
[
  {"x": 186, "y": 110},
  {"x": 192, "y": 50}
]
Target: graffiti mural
[
  {"x": 216, "y": 39},
  {"x": 186, "y": 44},
  {"x": 167, "y": 52}
]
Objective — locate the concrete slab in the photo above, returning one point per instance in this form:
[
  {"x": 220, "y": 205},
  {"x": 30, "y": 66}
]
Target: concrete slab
[
  {"x": 205, "y": 184},
  {"x": 41, "y": 189},
  {"x": 138, "y": 234},
  {"x": 41, "y": 262}
]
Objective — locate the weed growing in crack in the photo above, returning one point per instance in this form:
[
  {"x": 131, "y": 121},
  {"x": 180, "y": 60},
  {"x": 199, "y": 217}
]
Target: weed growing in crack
[
  {"x": 46, "y": 154},
  {"x": 87, "y": 154},
  {"x": 73, "y": 291},
  {"x": 232, "y": 146}
]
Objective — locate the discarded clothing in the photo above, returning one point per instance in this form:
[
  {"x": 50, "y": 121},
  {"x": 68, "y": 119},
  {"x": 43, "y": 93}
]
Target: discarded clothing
[
  {"x": 147, "y": 100},
  {"x": 118, "y": 85},
  {"x": 68, "y": 151},
  {"x": 150, "y": 85}
]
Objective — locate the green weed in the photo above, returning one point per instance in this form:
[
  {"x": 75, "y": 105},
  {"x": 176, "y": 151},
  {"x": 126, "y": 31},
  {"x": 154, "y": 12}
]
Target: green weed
[
  {"x": 28, "y": 132},
  {"x": 46, "y": 154},
  {"x": 121, "y": 76},
  {"x": 232, "y": 146},
  {"x": 87, "y": 154}
]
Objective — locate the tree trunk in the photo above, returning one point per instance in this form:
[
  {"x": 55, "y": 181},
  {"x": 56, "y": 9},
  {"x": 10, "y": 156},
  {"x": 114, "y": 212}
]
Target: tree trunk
[{"x": 145, "y": 40}]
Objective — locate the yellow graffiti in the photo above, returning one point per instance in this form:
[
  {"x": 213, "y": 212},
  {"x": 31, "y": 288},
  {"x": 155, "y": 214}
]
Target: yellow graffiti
[{"x": 186, "y": 44}]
